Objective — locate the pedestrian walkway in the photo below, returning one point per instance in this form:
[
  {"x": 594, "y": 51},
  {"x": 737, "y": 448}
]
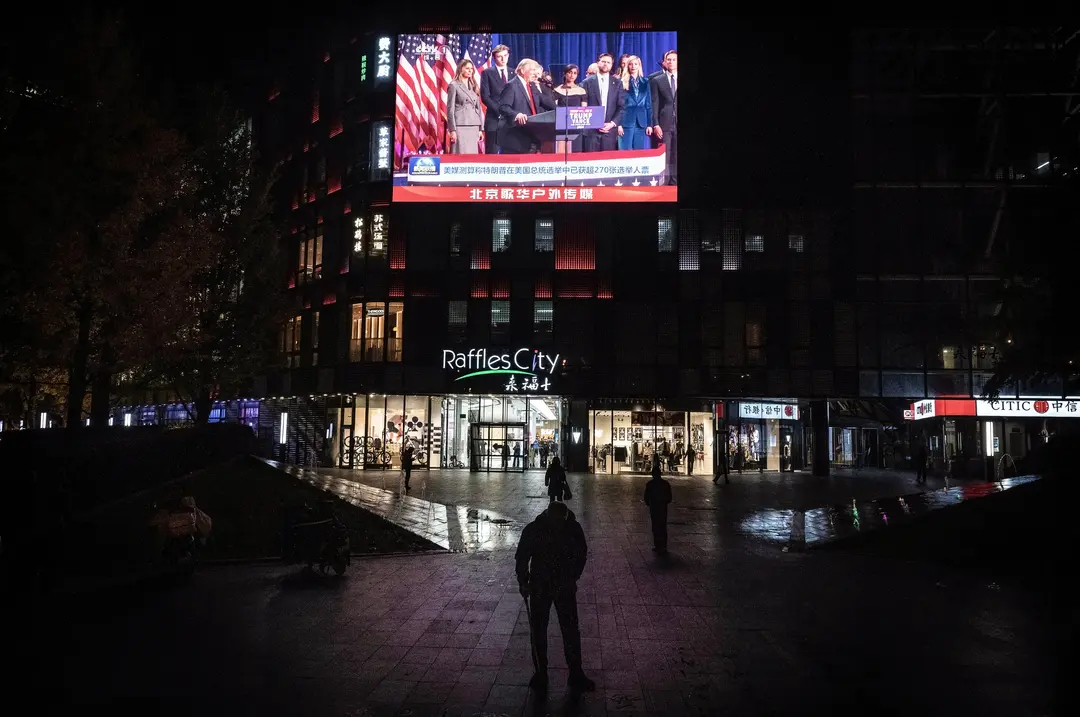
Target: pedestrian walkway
[{"x": 465, "y": 511}]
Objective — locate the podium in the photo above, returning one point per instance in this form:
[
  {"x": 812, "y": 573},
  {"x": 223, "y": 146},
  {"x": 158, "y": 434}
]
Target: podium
[{"x": 563, "y": 124}]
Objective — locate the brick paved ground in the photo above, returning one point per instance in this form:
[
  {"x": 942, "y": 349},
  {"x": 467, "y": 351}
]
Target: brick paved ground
[{"x": 726, "y": 624}]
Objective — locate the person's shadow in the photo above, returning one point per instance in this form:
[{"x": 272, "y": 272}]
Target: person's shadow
[{"x": 569, "y": 704}]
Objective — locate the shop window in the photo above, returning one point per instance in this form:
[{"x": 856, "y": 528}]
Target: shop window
[
  {"x": 796, "y": 243},
  {"x": 665, "y": 235},
  {"x": 543, "y": 320},
  {"x": 500, "y": 320},
  {"x": 500, "y": 234},
  {"x": 544, "y": 240}
]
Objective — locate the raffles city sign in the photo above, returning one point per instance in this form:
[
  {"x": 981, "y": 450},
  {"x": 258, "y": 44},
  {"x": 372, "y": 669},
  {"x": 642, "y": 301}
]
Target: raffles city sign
[{"x": 524, "y": 369}]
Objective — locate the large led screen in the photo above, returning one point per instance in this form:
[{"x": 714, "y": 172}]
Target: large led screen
[{"x": 550, "y": 117}]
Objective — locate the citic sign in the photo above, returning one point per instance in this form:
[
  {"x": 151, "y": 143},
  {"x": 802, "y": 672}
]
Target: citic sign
[{"x": 1028, "y": 407}]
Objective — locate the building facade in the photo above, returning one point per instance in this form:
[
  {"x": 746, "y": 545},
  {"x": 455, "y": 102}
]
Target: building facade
[{"x": 816, "y": 283}]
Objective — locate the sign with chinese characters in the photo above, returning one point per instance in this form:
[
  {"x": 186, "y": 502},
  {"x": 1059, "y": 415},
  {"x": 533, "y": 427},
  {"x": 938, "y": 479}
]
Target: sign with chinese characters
[
  {"x": 384, "y": 59},
  {"x": 358, "y": 235},
  {"x": 380, "y": 151},
  {"x": 924, "y": 409},
  {"x": 378, "y": 234},
  {"x": 781, "y": 411},
  {"x": 524, "y": 370},
  {"x": 1028, "y": 408}
]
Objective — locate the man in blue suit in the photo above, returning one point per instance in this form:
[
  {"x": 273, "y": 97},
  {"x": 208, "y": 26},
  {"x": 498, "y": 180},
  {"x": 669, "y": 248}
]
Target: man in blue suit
[
  {"x": 604, "y": 90},
  {"x": 520, "y": 100}
]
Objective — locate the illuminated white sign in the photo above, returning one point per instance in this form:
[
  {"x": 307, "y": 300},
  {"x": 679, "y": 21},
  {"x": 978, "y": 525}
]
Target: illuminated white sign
[
  {"x": 1028, "y": 408},
  {"x": 782, "y": 411},
  {"x": 383, "y": 59},
  {"x": 378, "y": 233},
  {"x": 924, "y": 409},
  {"x": 526, "y": 369},
  {"x": 358, "y": 235},
  {"x": 382, "y": 156},
  {"x": 909, "y": 414}
]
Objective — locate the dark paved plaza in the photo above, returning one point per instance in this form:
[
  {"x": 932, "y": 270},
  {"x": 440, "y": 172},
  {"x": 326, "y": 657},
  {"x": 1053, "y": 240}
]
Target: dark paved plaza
[{"x": 726, "y": 624}]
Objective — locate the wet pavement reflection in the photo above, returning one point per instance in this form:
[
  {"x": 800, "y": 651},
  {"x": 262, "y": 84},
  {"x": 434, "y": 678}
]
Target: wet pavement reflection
[
  {"x": 451, "y": 527},
  {"x": 835, "y": 522}
]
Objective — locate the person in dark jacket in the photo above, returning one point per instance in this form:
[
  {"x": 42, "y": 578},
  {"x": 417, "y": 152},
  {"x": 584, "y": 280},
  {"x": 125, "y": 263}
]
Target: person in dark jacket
[
  {"x": 406, "y": 464},
  {"x": 555, "y": 480},
  {"x": 550, "y": 559},
  {"x": 657, "y": 497}
]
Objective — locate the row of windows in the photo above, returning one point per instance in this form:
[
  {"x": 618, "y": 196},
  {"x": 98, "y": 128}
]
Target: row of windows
[
  {"x": 733, "y": 334},
  {"x": 577, "y": 253}
]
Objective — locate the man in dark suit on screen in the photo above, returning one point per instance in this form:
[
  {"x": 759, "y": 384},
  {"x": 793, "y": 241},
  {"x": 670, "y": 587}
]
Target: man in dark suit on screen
[
  {"x": 492, "y": 82},
  {"x": 664, "y": 88},
  {"x": 602, "y": 89},
  {"x": 521, "y": 99}
]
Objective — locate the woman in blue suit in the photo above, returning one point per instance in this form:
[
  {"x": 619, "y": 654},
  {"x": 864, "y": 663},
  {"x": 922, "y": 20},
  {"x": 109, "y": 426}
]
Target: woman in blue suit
[{"x": 637, "y": 114}]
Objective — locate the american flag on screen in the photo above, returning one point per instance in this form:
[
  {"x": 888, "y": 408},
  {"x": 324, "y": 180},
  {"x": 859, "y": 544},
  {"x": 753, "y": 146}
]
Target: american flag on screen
[{"x": 426, "y": 67}]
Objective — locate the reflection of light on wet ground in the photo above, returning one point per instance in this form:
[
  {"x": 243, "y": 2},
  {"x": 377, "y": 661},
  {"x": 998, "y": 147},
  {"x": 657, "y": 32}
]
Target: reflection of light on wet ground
[
  {"x": 832, "y": 522},
  {"x": 451, "y": 527}
]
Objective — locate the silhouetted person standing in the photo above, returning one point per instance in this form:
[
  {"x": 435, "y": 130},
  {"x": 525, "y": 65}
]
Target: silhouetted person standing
[
  {"x": 657, "y": 497},
  {"x": 406, "y": 464},
  {"x": 550, "y": 559},
  {"x": 920, "y": 461},
  {"x": 555, "y": 480}
]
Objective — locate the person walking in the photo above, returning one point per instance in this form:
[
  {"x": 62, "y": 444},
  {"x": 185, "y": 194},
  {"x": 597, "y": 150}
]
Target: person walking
[
  {"x": 657, "y": 498},
  {"x": 920, "y": 460},
  {"x": 555, "y": 480},
  {"x": 550, "y": 559}
]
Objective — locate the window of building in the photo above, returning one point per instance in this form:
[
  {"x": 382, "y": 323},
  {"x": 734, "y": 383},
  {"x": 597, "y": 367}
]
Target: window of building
[
  {"x": 455, "y": 239},
  {"x": 545, "y": 235},
  {"x": 543, "y": 320},
  {"x": 665, "y": 234},
  {"x": 356, "y": 333},
  {"x": 500, "y": 234},
  {"x": 374, "y": 331},
  {"x": 755, "y": 336},
  {"x": 314, "y": 338},
  {"x": 309, "y": 266},
  {"x": 795, "y": 243},
  {"x": 732, "y": 240},
  {"x": 457, "y": 319},
  {"x": 755, "y": 243},
  {"x": 395, "y": 335},
  {"x": 500, "y": 319},
  {"x": 290, "y": 341}
]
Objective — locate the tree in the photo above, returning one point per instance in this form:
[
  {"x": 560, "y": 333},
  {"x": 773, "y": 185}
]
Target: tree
[
  {"x": 236, "y": 303},
  {"x": 101, "y": 199}
]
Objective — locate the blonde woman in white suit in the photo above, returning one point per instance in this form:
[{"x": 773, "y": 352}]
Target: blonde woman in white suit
[{"x": 463, "y": 117}]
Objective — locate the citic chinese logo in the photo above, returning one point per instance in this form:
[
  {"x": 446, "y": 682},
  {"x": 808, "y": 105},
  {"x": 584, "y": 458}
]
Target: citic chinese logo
[
  {"x": 1041, "y": 406},
  {"x": 788, "y": 411}
]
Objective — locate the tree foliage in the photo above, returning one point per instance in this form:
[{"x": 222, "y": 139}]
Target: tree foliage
[{"x": 235, "y": 302}]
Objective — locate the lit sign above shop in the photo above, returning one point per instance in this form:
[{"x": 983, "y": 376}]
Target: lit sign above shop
[
  {"x": 378, "y": 233},
  {"x": 358, "y": 235},
  {"x": 380, "y": 152},
  {"x": 782, "y": 411},
  {"x": 383, "y": 59},
  {"x": 534, "y": 366},
  {"x": 1002, "y": 408}
]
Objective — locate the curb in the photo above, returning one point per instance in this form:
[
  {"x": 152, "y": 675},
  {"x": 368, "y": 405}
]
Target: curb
[{"x": 224, "y": 562}]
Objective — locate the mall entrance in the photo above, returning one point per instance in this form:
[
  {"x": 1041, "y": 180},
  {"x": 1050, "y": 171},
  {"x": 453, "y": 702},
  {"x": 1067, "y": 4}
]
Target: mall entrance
[{"x": 497, "y": 447}]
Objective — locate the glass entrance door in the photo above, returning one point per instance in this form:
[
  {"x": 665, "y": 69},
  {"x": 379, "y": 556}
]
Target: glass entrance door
[{"x": 497, "y": 447}]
